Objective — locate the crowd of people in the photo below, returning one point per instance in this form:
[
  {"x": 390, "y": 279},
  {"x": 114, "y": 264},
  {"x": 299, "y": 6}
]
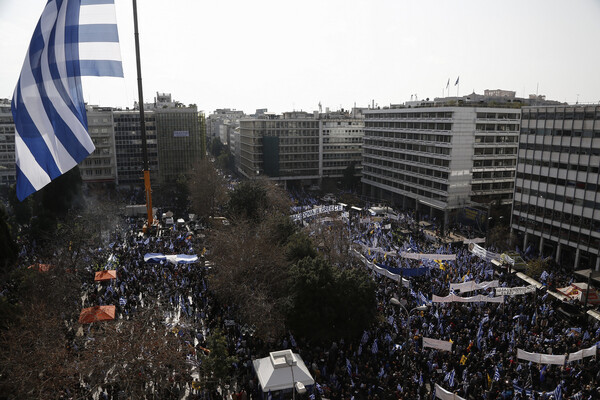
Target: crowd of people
[{"x": 389, "y": 360}]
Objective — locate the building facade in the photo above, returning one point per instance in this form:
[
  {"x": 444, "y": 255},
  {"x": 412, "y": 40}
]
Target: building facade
[
  {"x": 7, "y": 145},
  {"x": 300, "y": 147},
  {"x": 100, "y": 167},
  {"x": 556, "y": 207},
  {"x": 440, "y": 160},
  {"x": 128, "y": 144},
  {"x": 180, "y": 141}
]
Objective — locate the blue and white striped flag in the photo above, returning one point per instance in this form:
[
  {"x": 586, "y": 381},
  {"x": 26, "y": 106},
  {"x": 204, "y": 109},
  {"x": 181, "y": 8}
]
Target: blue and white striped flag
[
  {"x": 73, "y": 38},
  {"x": 122, "y": 301},
  {"x": 496, "y": 374},
  {"x": 558, "y": 392}
]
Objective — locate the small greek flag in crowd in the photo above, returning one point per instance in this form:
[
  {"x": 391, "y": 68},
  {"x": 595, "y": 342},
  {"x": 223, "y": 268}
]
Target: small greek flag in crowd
[
  {"x": 122, "y": 301},
  {"x": 496, "y": 374},
  {"x": 558, "y": 392},
  {"x": 73, "y": 38}
]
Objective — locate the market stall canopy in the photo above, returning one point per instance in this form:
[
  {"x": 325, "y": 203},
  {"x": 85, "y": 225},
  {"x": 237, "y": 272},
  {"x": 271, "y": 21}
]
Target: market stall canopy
[
  {"x": 579, "y": 291},
  {"x": 281, "y": 370},
  {"x": 41, "y": 267},
  {"x": 97, "y": 313},
  {"x": 106, "y": 275},
  {"x": 588, "y": 273}
]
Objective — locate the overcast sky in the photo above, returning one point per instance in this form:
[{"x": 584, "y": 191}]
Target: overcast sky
[{"x": 285, "y": 55}]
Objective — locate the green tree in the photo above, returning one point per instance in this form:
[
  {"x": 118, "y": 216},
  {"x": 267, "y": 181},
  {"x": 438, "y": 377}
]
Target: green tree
[
  {"x": 299, "y": 246},
  {"x": 217, "y": 366},
  {"x": 248, "y": 201},
  {"x": 206, "y": 188},
  {"x": 216, "y": 147},
  {"x": 536, "y": 267},
  {"x": 329, "y": 302}
]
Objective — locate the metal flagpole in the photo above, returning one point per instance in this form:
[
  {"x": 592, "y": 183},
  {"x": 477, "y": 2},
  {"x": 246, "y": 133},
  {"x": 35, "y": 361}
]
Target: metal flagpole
[{"x": 142, "y": 120}]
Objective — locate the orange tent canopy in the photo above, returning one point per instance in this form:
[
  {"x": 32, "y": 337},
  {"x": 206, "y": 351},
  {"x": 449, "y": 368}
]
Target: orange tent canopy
[
  {"x": 106, "y": 275},
  {"x": 41, "y": 267},
  {"x": 97, "y": 313}
]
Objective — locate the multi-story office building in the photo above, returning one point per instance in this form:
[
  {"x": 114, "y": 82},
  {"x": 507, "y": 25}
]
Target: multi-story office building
[
  {"x": 128, "y": 144},
  {"x": 101, "y": 165},
  {"x": 180, "y": 138},
  {"x": 7, "y": 145},
  {"x": 222, "y": 123},
  {"x": 439, "y": 160},
  {"x": 557, "y": 203},
  {"x": 342, "y": 137},
  {"x": 300, "y": 147}
]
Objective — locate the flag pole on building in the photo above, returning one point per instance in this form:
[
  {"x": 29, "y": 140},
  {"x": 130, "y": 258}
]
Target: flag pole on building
[{"x": 147, "y": 186}]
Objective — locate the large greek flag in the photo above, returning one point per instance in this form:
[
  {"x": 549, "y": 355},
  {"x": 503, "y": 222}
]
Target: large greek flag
[{"x": 73, "y": 38}]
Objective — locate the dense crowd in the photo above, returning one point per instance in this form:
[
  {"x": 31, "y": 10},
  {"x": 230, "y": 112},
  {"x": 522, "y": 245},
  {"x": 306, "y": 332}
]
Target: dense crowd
[{"x": 383, "y": 363}]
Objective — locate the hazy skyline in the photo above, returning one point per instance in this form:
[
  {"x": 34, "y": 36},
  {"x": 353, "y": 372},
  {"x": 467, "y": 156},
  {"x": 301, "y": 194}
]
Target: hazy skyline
[{"x": 276, "y": 55}]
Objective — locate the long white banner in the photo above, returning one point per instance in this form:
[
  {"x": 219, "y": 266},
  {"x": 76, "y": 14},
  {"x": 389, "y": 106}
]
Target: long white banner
[
  {"x": 540, "y": 358},
  {"x": 378, "y": 250},
  {"x": 581, "y": 354},
  {"x": 474, "y": 299},
  {"x": 443, "y": 394},
  {"x": 317, "y": 211},
  {"x": 472, "y": 286},
  {"x": 513, "y": 291},
  {"x": 483, "y": 253},
  {"x": 437, "y": 344},
  {"x": 383, "y": 271},
  {"x": 423, "y": 256}
]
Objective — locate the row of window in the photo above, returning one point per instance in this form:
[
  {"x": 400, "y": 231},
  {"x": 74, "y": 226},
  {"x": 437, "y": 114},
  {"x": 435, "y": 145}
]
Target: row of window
[
  {"x": 488, "y": 151},
  {"x": 556, "y": 197},
  {"x": 502, "y": 115},
  {"x": 497, "y": 127},
  {"x": 477, "y": 187},
  {"x": 496, "y": 139},
  {"x": 557, "y": 216},
  {"x": 406, "y": 188},
  {"x": 587, "y": 133},
  {"x": 494, "y": 175},
  {"x": 410, "y": 136},
  {"x": 410, "y": 115},
  {"x": 560, "y": 233},
  {"x": 594, "y": 151},
  {"x": 559, "y": 165},
  {"x": 413, "y": 158},
  {"x": 560, "y": 114},
  {"x": 414, "y": 169},
  {"x": 445, "y": 151},
  {"x": 557, "y": 181},
  {"x": 412, "y": 179},
  {"x": 429, "y": 126},
  {"x": 503, "y": 163}
]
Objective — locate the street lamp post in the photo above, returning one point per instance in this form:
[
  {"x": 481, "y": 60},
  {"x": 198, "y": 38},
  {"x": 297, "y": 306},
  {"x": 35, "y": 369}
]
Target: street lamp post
[{"x": 397, "y": 302}]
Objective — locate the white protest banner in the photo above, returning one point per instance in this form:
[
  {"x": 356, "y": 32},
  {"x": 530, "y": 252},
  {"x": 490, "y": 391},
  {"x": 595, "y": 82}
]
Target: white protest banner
[
  {"x": 423, "y": 256},
  {"x": 515, "y": 290},
  {"x": 474, "y": 240},
  {"x": 540, "y": 358},
  {"x": 443, "y": 394},
  {"x": 581, "y": 354},
  {"x": 382, "y": 271},
  {"x": 483, "y": 253},
  {"x": 317, "y": 211},
  {"x": 472, "y": 286},
  {"x": 437, "y": 344},
  {"x": 474, "y": 299}
]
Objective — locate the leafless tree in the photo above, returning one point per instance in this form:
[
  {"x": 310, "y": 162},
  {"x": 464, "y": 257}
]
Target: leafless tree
[{"x": 207, "y": 189}]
